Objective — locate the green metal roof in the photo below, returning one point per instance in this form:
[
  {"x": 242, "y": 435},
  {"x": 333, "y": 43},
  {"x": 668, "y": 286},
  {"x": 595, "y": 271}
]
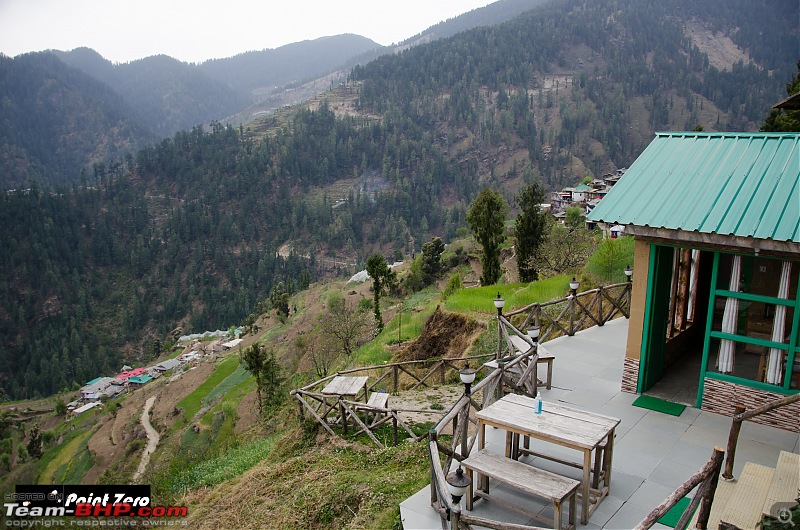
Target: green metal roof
[{"x": 738, "y": 184}]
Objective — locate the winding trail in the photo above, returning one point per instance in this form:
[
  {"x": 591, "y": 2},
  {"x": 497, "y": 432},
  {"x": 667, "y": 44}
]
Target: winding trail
[{"x": 152, "y": 438}]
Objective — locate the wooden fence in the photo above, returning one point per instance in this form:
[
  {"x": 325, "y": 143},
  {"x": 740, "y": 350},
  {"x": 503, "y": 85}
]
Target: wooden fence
[
  {"x": 707, "y": 478},
  {"x": 332, "y": 411},
  {"x": 573, "y": 313},
  {"x": 460, "y": 422}
]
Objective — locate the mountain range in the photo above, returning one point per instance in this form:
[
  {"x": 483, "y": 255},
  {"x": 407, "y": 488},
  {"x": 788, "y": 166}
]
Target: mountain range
[{"x": 195, "y": 229}]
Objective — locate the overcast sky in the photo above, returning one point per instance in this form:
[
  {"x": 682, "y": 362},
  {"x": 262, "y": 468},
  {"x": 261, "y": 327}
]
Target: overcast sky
[{"x": 196, "y": 30}]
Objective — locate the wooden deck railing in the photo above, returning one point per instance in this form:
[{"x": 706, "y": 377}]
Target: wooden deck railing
[
  {"x": 570, "y": 314},
  {"x": 707, "y": 479},
  {"x": 385, "y": 377},
  {"x": 458, "y": 420},
  {"x": 743, "y": 414}
]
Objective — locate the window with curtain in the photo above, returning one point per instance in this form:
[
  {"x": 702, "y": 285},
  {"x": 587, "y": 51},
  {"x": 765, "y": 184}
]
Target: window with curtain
[{"x": 753, "y": 316}]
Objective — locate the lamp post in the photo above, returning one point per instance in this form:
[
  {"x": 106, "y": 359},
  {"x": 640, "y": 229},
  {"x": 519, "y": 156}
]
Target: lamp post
[
  {"x": 457, "y": 484},
  {"x": 629, "y": 275},
  {"x": 573, "y": 285},
  {"x": 467, "y": 376},
  {"x": 498, "y": 304},
  {"x": 533, "y": 334}
]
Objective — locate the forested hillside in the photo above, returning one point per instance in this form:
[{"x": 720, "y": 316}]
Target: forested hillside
[
  {"x": 55, "y": 120},
  {"x": 582, "y": 85},
  {"x": 186, "y": 232}
]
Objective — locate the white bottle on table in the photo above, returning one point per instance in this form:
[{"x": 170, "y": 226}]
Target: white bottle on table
[{"x": 537, "y": 404}]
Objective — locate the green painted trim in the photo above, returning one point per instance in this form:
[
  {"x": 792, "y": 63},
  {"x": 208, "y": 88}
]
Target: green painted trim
[
  {"x": 751, "y": 384},
  {"x": 707, "y": 337},
  {"x": 756, "y": 298},
  {"x": 793, "y": 340},
  {"x": 651, "y": 268},
  {"x": 749, "y": 340}
]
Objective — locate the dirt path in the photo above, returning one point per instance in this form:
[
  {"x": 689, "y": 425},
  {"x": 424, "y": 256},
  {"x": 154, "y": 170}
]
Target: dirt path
[{"x": 152, "y": 438}]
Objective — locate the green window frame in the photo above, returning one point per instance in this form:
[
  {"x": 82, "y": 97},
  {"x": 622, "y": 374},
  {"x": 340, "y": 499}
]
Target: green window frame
[{"x": 792, "y": 349}]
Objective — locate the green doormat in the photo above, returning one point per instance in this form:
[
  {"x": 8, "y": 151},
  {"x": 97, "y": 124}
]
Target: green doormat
[
  {"x": 667, "y": 407},
  {"x": 672, "y": 517}
]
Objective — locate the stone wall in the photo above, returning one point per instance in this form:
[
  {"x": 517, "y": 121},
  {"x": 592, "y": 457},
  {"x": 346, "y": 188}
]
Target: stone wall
[{"x": 721, "y": 396}]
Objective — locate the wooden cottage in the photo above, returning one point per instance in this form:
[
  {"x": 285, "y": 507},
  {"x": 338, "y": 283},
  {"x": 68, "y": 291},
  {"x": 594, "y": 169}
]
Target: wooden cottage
[{"x": 715, "y": 306}]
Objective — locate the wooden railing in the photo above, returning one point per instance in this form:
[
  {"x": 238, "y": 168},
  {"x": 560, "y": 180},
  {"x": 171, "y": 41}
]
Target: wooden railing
[
  {"x": 458, "y": 420},
  {"x": 707, "y": 478},
  {"x": 385, "y": 377},
  {"x": 570, "y": 314},
  {"x": 743, "y": 414}
]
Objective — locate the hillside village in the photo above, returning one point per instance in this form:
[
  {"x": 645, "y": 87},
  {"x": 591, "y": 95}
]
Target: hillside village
[{"x": 99, "y": 390}]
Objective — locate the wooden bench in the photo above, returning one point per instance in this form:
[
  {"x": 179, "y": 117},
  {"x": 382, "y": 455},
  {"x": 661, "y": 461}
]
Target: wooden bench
[
  {"x": 529, "y": 479},
  {"x": 544, "y": 358},
  {"x": 377, "y": 400}
]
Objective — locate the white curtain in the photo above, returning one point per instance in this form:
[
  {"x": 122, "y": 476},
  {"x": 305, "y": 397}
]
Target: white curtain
[
  {"x": 694, "y": 272},
  {"x": 775, "y": 364},
  {"x": 727, "y": 348}
]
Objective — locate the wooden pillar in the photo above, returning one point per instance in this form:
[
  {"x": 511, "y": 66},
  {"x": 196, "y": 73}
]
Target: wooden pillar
[{"x": 733, "y": 439}]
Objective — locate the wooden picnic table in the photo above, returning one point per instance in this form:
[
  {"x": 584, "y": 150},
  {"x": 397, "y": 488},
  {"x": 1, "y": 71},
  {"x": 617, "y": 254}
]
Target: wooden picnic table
[
  {"x": 561, "y": 425},
  {"x": 345, "y": 386}
]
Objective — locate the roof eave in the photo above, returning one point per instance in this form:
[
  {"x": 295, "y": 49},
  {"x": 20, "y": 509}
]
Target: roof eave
[{"x": 714, "y": 241}]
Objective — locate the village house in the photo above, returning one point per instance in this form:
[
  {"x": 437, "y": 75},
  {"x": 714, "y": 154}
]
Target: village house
[
  {"x": 715, "y": 312},
  {"x": 92, "y": 390}
]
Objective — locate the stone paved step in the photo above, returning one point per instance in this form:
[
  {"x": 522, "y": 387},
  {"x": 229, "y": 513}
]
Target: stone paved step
[
  {"x": 785, "y": 482},
  {"x": 743, "y": 508}
]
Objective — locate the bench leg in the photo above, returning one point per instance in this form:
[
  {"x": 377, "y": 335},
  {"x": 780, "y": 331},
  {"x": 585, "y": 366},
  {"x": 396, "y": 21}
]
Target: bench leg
[
  {"x": 557, "y": 515},
  {"x": 572, "y": 509}
]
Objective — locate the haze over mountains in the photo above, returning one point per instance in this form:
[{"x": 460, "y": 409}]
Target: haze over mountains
[
  {"x": 163, "y": 95},
  {"x": 186, "y": 230}
]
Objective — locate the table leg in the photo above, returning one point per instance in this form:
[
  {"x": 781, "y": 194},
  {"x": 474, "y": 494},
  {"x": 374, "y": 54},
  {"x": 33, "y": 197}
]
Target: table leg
[
  {"x": 484, "y": 486},
  {"x": 587, "y": 467},
  {"x": 607, "y": 459}
]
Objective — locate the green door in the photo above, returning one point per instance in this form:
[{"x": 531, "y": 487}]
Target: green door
[{"x": 656, "y": 317}]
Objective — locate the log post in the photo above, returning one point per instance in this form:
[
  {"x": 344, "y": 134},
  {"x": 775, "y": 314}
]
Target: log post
[
  {"x": 396, "y": 374},
  {"x": 709, "y": 488},
  {"x": 433, "y": 437},
  {"x": 733, "y": 439},
  {"x": 572, "y": 300},
  {"x": 602, "y": 318}
]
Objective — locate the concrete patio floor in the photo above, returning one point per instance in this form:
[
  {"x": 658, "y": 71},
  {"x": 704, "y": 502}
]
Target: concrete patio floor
[{"x": 654, "y": 452}]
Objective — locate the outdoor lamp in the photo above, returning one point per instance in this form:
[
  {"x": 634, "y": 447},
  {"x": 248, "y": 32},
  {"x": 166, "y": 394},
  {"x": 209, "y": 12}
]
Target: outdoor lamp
[
  {"x": 574, "y": 284},
  {"x": 533, "y": 334},
  {"x": 628, "y": 272},
  {"x": 499, "y": 303},
  {"x": 457, "y": 483},
  {"x": 467, "y": 376}
]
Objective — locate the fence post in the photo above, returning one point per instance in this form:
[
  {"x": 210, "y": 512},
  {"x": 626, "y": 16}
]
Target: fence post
[
  {"x": 432, "y": 437},
  {"x": 396, "y": 374},
  {"x": 709, "y": 487},
  {"x": 394, "y": 427},
  {"x": 571, "y": 330},
  {"x": 733, "y": 439},
  {"x": 442, "y": 367},
  {"x": 602, "y": 318}
]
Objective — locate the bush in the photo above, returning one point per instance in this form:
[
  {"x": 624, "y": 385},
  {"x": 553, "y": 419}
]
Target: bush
[{"x": 453, "y": 284}]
